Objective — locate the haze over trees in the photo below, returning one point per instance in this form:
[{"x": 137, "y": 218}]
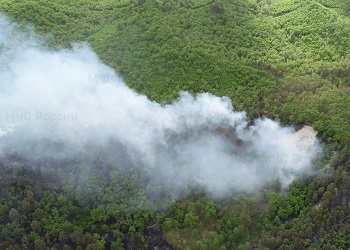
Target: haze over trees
[{"x": 288, "y": 59}]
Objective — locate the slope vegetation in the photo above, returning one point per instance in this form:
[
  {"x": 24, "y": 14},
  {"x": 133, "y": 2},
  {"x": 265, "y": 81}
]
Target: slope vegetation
[{"x": 289, "y": 59}]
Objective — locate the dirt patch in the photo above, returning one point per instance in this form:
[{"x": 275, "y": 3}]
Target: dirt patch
[{"x": 305, "y": 137}]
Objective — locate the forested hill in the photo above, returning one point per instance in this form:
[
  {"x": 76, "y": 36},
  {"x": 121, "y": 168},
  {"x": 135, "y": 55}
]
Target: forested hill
[{"x": 289, "y": 59}]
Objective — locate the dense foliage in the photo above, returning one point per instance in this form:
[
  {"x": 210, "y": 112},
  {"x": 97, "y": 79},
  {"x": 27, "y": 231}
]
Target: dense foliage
[{"x": 287, "y": 58}]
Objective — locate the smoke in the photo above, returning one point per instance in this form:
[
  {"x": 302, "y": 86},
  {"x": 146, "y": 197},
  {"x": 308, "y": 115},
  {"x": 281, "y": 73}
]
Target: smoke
[{"x": 59, "y": 103}]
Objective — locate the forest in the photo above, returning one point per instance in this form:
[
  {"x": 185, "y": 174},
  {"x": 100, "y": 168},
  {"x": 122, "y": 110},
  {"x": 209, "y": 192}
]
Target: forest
[{"x": 286, "y": 59}]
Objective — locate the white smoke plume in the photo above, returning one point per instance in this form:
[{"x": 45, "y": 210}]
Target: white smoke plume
[{"x": 59, "y": 102}]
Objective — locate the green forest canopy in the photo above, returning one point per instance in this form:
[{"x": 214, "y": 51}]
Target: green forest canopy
[{"x": 288, "y": 58}]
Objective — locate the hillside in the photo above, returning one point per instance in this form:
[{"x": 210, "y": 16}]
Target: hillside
[{"x": 287, "y": 59}]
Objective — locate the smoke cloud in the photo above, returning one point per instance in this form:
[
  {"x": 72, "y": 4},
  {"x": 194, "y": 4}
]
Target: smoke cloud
[{"x": 61, "y": 102}]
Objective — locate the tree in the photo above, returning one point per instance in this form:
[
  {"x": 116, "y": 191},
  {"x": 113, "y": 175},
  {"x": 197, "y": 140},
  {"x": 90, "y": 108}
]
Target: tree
[
  {"x": 14, "y": 215},
  {"x": 191, "y": 220},
  {"x": 36, "y": 226},
  {"x": 39, "y": 243}
]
